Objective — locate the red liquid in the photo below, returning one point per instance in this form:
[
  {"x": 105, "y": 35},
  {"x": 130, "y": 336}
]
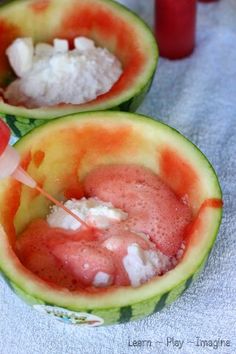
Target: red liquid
[
  {"x": 73, "y": 258},
  {"x": 149, "y": 202},
  {"x": 35, "y": 248},
  {"x": 59, "y": 256},
  {"x": 175, "y": 25}
]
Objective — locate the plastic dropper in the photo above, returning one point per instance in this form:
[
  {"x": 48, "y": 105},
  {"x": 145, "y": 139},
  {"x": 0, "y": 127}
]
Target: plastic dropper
[{"x": 10, "y": 167}]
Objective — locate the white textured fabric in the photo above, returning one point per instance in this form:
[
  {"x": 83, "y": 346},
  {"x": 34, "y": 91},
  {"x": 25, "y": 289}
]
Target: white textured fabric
[{"x": 197, "y": 96}]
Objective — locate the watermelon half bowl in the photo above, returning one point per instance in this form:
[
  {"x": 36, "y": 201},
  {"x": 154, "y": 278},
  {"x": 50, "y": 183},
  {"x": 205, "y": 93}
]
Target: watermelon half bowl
[
  {"x": 108, "y": 23},
  {"x": 59, "y": 154}
]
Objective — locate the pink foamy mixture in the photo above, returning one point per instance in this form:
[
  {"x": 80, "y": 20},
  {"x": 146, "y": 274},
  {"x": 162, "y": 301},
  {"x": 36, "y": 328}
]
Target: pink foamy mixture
[{"x": 72, "y": 258}]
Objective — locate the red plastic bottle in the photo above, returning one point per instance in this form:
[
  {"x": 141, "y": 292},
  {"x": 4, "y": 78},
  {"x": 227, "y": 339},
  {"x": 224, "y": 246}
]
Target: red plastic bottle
[
  {"x": 175, "y": 26},
  {"x": 207, "y": 0}
]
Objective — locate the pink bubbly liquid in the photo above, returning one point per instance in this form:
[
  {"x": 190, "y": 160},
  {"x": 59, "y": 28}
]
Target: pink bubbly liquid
[{"x": 72, "y": 258}]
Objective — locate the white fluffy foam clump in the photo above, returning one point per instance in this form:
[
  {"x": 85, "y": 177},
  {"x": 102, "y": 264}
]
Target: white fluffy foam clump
[
  {"x": 142, "y": 265},
  {"x": 102, "y": 280},
  {"x": 93, "y": 211},
  {"x": 49, "y": 75}
]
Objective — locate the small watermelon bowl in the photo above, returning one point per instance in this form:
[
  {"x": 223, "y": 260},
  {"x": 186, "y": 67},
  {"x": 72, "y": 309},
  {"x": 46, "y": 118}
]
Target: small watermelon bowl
[
  {"x": 108, "y": 23},
  {"x": 59, "y": 154}
]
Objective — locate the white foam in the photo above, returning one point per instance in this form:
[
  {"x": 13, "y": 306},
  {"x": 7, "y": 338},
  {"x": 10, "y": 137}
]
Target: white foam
[
  {"x": 93, "y": 211},
  {"x": 54, "y": 75},
  {"x": 142, "y": 265},
  {"x": 20, "y": 55},
  {"x": 102, "y": 279}
]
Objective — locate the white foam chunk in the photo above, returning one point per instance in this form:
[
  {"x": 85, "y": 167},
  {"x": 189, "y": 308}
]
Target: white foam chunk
[
  {"x": 102, "y": 279},
  {"x": 93, "y": 211},
  {"x": 59, "y": 75},
  {"x": 43, "y": 50},
  {"x": 60, "y": 45},
  {"x": 142, "y": 265},
  {"x": 20, "y": 55},
  {"x": 83, "y": 44}
]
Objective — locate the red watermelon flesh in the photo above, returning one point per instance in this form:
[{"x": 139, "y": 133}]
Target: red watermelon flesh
[
  {"x": 153, "y": 207},
  {"x": 84, "y": 260}
]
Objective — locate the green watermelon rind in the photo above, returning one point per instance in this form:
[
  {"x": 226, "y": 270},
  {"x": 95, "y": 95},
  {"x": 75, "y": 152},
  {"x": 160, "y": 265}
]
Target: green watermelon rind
[
  {"x": 20, "y": 126},
  {"x": 121, "y": 314},
  {"x": 128, "y": 311},
  {"x": 129, "y": 101},
  {"x": 4, "y": 3}
]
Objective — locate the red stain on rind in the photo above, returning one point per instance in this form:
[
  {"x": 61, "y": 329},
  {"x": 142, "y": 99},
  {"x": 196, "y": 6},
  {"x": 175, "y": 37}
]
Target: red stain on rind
[
  {"x": 9, "y": 209},
  {"x": 8, "y": 32},
  {"x": 178, "y": 173},
  {"x": 25, "y": 160},
  {"x": 198, "y": 223},
  {"x": 39, "y": 6},
  {"x": 212, "y": 203},
  {"x": 38, "y": 157}
]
